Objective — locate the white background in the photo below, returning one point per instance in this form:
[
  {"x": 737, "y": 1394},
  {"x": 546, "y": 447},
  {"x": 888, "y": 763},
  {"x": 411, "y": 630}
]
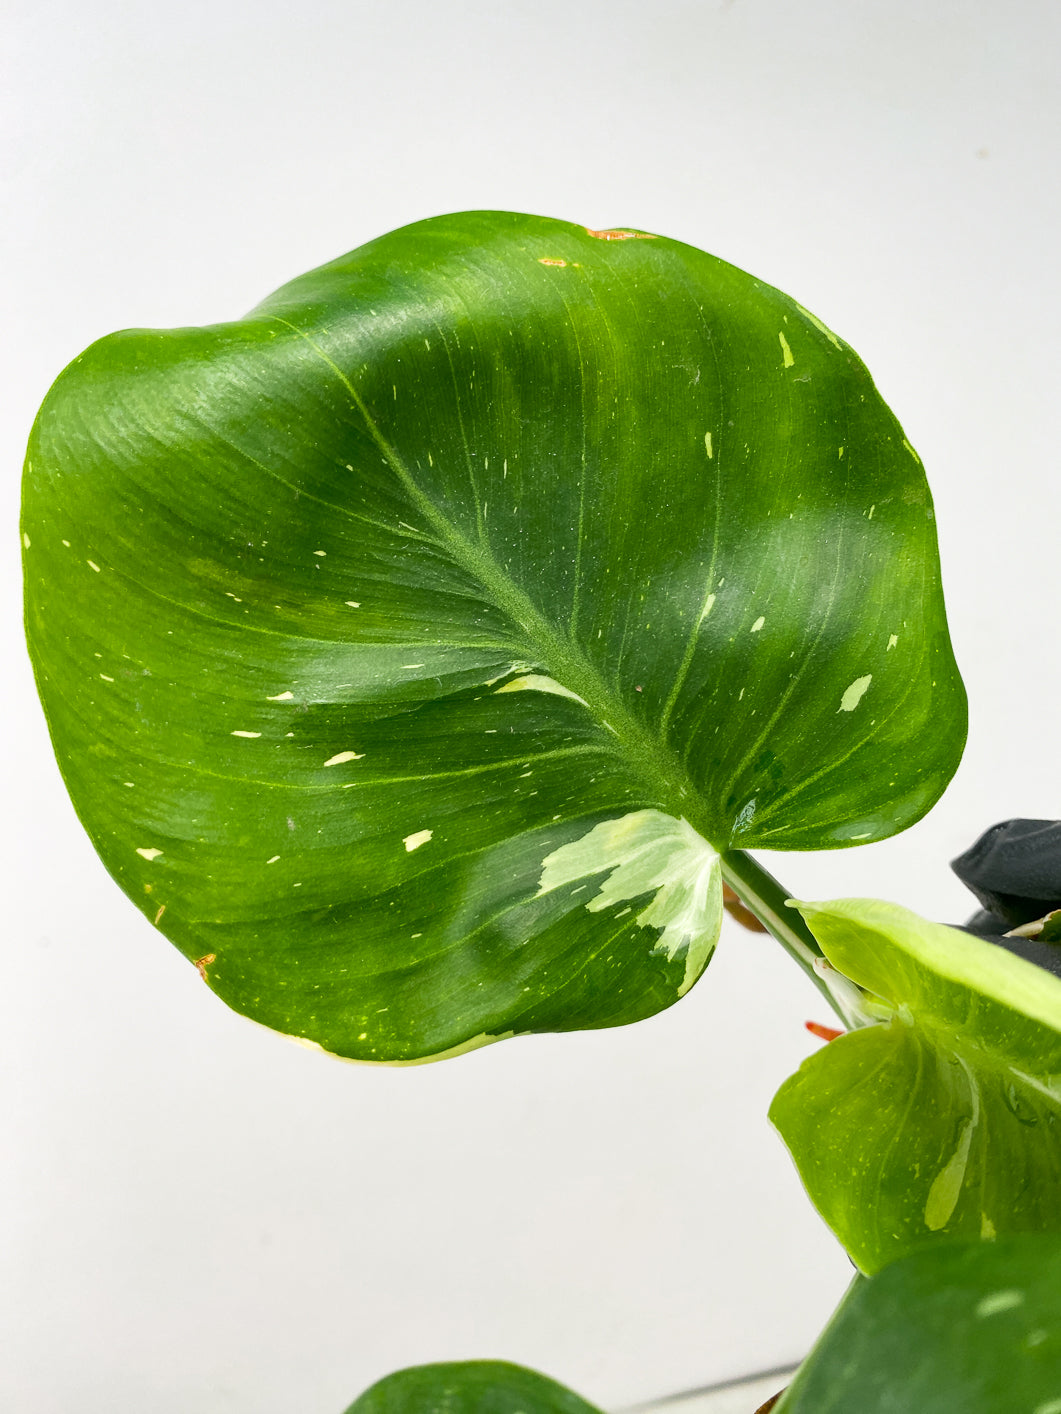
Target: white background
[{"x": 198, "y": 1215}]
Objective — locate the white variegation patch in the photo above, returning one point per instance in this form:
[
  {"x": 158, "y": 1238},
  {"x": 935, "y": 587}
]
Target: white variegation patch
[
  {"x": 947, "y": 1185},
  {"x": 539, "y": 682},
  {"x": 650, "y": 851}
]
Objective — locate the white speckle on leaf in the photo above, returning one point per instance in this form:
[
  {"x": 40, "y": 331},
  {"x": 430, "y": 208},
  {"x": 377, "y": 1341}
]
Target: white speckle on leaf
[
  {"x": 710, "y": 448},
  {"x": 149, "y": 854},
  {"x": 854, "y": 694},
  {"x": 786, "y": 352},
  {"x": 351, "y": 603},
  {"x": 251, "y": 736},
  {"x": 93, "y": 566},
  {"x": 321, "y": 553},
  {"x": 648, "y": 850},
  {"x": 872, "y": 508},
  {"x": 757, "y": 625},
  {"x": 67, "y": 543},
  {"x": 709, "y": 604},
  {"x": 408, "y": 667},
  {"x": 273, "y": 860},
  {"x": 892, "y": 641},
  {"x": 158, "y": 915},
  {"x": 998, "y": 1301},
  {"x": 282, "y": 697},
  {"x": 25, "y": 540},
  {"x": 840, "y": 454},
  {"x": 342, "y": 756},
  {"x": 910, "y": 449},
  {"x": 412, "y": 842},
  {"x": 106, "y": 678}
]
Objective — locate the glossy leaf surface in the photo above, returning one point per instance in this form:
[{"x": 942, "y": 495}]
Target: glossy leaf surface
[
  {"x": 469, "y": 1387},
  {"x": 944, "y": 1120},
  {"x": 968, "y": 1328},
  {"x": 411, "y": 646}
]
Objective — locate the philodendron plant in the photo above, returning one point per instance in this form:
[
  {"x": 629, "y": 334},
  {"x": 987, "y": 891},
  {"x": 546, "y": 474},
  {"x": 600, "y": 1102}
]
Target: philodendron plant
[{"x": 425, "y": 651}]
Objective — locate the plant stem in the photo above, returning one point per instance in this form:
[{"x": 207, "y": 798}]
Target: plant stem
[{"x": 760, "y": 892}]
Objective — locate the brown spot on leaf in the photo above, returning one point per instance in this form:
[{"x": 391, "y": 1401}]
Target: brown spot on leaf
[
  {"x": 548, "y": 260},
  {"x": 621, "y": 235},
  {"x": 203, "y": 963},
  {"x": 765, "y": 1408}
]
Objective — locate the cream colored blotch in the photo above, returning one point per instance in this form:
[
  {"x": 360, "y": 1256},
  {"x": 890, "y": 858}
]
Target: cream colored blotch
[
  {"x": 854, "y": 694},
  {"x": 648, "y": 850},
  {"x": 538, "y": 682}
]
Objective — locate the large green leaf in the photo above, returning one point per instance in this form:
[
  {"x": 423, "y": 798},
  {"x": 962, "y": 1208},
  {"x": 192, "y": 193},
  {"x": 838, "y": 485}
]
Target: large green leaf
[
  {"x": 469, "y": 1387},
  {"x": 967, "y": 1328},
  {"x": 942, "y": 1120},
  {"x": 411, "y": 646}
]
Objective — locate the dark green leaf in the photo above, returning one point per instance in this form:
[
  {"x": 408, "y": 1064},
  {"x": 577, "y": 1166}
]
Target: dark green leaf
[
  {"x": 411, "y": 646},
  {"x": 942, "y": 1120},
  {"x": 471, "y": 1387},
  {"x": 970, "y": 1328}
]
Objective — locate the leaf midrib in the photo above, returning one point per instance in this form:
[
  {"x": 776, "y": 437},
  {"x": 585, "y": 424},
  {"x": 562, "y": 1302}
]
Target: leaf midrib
[{"x": 644, "y": 754}]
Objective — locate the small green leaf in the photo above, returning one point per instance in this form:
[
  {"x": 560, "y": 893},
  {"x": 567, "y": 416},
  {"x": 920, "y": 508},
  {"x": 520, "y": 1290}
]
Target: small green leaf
[
  {"x": 942, "y": 1120},
  {"x": 968, "y": 1328},
  {"x": 394, "y": 638},
  {"x": 469, "y": 1387}
]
